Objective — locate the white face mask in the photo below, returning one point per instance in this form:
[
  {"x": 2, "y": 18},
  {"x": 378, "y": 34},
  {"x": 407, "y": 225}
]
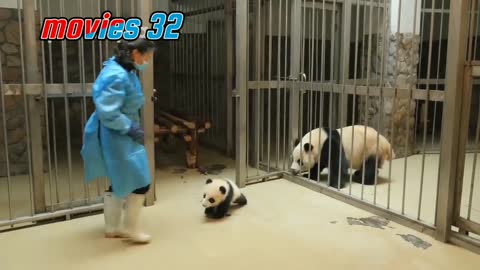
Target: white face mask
[{"x": 142, "y": 66}]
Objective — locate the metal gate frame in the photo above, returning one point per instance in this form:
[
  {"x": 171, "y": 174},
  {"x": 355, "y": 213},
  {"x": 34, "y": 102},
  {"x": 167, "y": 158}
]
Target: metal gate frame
[
  {"x": 471, "y": 72},
  {"x": 451, "y": 160}
]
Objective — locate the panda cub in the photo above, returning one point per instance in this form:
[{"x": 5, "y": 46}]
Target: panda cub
[{"x": 219, "y": 195}]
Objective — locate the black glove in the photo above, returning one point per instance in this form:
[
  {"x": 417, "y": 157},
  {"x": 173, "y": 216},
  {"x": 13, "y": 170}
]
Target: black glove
[{"x": 136, "y": 132}]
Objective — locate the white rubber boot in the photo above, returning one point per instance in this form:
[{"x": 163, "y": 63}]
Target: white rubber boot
[
  {"x": 112, "y": 212},
  {"x": 134, "y": 205}
]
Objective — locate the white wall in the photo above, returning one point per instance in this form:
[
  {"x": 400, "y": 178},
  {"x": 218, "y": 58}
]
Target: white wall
[
  {"x": 409, "y": 15},
  {"x": 9, "y": 3}
]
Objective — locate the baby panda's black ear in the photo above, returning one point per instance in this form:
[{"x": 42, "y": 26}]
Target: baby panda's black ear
[
  {"x": 223, "y": 189},
  {"x": 296, "y": 142},
  {"x": 307, "y": 147},
  {"x": 208, "y": 181}
]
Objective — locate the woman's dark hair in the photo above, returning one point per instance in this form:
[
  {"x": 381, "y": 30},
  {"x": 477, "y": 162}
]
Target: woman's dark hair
[{"x": 125, "y": 48}]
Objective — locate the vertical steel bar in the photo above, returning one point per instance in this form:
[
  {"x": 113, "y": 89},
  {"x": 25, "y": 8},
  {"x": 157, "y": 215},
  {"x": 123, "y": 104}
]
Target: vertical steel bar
[
  {"x": 258, "y": 53},
  {"x": 367, "y": 97},
  {"x": 302, "y": 73},
  {"x": 322, "y": 80},
  {"x": 456, "y": 52},
  {"x": 474, "y": 57},
  {"x": 355, "y": 73},
  {"x": 311, "y": 111},
  {"x": 81, "y": 62},
  {"x": 269, "y": 101},
  {"x": 67, "y": 111},
  {"x": 5, "y": 143},
  {"x": 241, "y": 33},
  {"x": 194, "y": 89},
  {"x": 333, "y": 82},
  {"x": 146, "y": 78},
  {"x": 229, "y": 78},
  {"x": 107, "y": 52},
  {"x": 439, "y": 57},
  {"x": 210, "y": 72},
  {"x": 425, "y": 115},
  {"x": 218, "y": 86},
  {"x": 315, "y": 75},
  {"x": 383, "y": 39},
  {"x": 295, "y": 60},
  {"x": 94, "y": 70},
  {"x": 37, "y": 189},
  {"x": 279, "y": 66},
  {"x": 285, "y": 74},
  {"x": 346, "y": 28},
  {"x": 54, "y": 138},
  {"x": 422, "y": 28},
  {"x": 45, "y": 103}
]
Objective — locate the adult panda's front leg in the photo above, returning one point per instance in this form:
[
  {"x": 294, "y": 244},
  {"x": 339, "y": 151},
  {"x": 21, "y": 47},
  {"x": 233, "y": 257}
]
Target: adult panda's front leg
[
  {"x": 338, "y": 164},
  {"x": 370, "y": 171}
]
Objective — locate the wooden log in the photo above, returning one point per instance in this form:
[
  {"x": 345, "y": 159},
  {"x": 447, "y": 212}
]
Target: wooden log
[
  {"x": 197, "y": 120},
  {"x": 191, "y": 154},
  {"x": 158, "y": 130},
  {"x": 167, "y": 123},
  {"x": 178, "y": 120}
]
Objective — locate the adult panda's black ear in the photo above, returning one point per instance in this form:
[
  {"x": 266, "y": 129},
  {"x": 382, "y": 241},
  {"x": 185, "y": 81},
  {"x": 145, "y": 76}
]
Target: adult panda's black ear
[
  {"x": 296, "y": 142},
  {"x": 208, "y": 181},
  {"x": 223, "y": 190},
  {"x": 307, "y": 147}
]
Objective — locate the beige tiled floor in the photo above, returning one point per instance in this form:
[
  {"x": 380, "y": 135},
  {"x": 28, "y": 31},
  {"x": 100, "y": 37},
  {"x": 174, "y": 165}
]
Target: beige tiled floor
[{"x": 284, "y": 226}]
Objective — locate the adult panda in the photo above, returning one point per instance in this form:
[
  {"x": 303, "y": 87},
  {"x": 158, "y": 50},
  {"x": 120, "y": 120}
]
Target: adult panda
[{"x": 306, "y": 154}]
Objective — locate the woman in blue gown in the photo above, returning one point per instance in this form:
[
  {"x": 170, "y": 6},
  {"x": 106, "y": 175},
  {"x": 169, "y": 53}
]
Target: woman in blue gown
[{"x": 113, "y": 139}]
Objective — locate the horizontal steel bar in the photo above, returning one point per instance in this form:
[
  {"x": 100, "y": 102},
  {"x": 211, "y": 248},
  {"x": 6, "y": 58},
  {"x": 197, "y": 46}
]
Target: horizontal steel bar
[
  {"x": 204, "y": 10},
  {"x": 467, "y": 225},
  {"x": 264, "y": 177},
  {"x": 375, "y": 209},
  {"x": 56, "y": 214},
  {"x": 417, "y": 94},
  {"x": 475, "y": 71},
  {"x": 53, "y": 89},
  {"x": 464, "y": 241}
]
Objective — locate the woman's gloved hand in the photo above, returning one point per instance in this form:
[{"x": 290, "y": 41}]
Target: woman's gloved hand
[{"x": 137, "y": 133}]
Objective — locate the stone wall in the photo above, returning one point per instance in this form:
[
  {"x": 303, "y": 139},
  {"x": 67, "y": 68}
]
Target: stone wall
[
  {"x": 10, "y": 53},
  {"x": 401, "y": 72}
]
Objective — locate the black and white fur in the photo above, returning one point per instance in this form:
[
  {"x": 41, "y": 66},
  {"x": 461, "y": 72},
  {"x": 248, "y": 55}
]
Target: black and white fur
[
  {"x": 219, "y": 195},
  {"x": 363, "y": 150},
  {"x": 321, "y": 139}
]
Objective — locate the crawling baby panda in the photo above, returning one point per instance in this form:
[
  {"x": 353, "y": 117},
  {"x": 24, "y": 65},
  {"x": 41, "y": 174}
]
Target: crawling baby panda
[{"x": 219, "y": 195}]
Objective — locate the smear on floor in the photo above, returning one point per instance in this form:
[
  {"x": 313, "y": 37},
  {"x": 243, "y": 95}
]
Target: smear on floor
[
  {"x": 214, "y": 169},
  {"x": 179, "y": 170},
  {"x": 417, "y": 242},
  {"x": 374, "y": 222}
]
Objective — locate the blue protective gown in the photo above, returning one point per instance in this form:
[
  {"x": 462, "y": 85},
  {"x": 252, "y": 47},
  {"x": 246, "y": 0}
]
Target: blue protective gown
[{"x": 107, "y": 149}]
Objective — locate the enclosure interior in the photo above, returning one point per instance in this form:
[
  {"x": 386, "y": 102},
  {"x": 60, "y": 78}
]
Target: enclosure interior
[{"x": 357, "y": 69}]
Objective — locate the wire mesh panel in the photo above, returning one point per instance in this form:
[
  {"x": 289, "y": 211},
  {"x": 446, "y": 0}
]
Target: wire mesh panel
[{"x": 45, "y": 103}]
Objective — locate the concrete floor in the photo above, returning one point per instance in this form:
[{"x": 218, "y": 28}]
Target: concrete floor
[{"x": 284, "y": 226}]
